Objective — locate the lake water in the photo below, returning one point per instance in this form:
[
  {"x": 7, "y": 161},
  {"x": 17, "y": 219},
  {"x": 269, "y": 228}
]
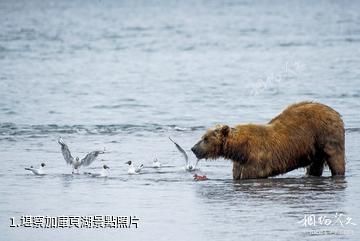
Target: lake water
[{"x": 125, "y": 75}]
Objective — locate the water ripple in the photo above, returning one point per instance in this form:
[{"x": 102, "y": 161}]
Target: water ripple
[{"x": 9, "y": 130}]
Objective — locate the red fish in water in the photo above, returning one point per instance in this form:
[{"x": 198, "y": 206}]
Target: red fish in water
[{"x": 200, "y": 178}]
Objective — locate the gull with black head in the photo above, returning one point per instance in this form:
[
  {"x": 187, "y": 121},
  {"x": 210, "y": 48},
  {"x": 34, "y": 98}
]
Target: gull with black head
[
  {"x": 37, "y": 171},
  {"x": 76, "y": 163}
]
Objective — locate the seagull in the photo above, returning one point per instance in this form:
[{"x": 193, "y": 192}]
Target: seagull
[
  {"x": 76, "y": 163},
  {"x": 156, "y": 163},
  {"x": 132, "y": 169},
  {"x": 188, "y": 166},
  {"x": 104, "y": 172},
  {"x": 37, "y": 171}
]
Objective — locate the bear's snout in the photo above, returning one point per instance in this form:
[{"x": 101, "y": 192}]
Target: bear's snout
[
  {"x": 193, "y": 149},
  {"x": 196, "y": 151}
]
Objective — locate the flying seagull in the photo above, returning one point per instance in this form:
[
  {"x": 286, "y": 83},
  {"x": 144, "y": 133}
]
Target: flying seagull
[
  {"x": 77, "y": 163},
  {"x": 132, "y": 169},
  {"x": 188, "y": 166},
  {"x": 37, "y": 171}
]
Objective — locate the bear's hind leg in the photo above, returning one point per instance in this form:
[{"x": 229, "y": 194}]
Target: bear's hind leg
[{"x": 335, "y": 159}]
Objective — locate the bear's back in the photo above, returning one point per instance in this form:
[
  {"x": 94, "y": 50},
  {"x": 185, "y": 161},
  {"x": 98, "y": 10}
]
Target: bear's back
[{"x": 307, "y": 111}]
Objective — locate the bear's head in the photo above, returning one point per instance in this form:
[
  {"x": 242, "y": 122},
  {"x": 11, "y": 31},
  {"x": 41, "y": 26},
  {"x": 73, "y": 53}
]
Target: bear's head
[{"x": 212, "y": 142}]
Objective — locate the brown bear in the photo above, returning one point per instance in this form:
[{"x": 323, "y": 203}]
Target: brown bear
[{"x": 305, "y": 134}]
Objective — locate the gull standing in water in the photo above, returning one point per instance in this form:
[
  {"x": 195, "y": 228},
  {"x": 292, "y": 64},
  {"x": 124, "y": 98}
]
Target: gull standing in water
[
  {"x": 188, "y": 166},
  {"x": 37, "y": 171},
  {"x": 104, "y": 172},
  {"x": 132, "y": 169},
  {"x": 156, "y": 163},
  {"x": 77, "y": 163}
]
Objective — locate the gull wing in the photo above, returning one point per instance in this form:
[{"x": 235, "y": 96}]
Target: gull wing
[
  {"x": 90, "y": 158},
  {"x": 65, "y": 151},
  {"x": 33, "y": 170},
  {"x": 181, "y": 150},
  {"x": 138, "y": 169}
]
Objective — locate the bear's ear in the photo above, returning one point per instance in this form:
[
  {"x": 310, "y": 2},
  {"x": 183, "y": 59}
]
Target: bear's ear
[{"x": 225, "y": 129}]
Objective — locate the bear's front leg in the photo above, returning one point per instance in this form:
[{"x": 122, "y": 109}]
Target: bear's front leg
[
  {"x": 246, "y": 171},
  {"x": 241, "y": 171},
  {"x": 237, "y": 168}
]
